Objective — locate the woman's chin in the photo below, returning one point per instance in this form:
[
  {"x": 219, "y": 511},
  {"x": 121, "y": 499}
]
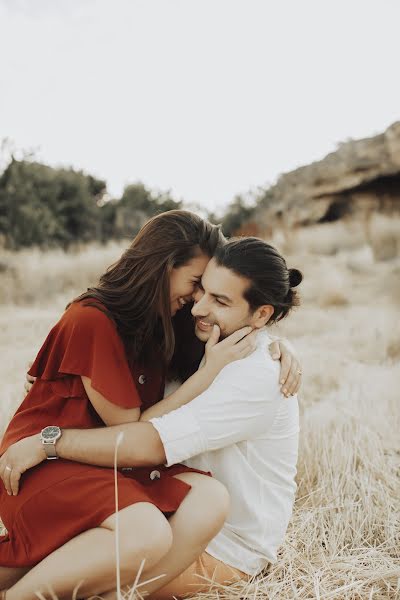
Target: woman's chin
[{"x": 175, "y": 306}]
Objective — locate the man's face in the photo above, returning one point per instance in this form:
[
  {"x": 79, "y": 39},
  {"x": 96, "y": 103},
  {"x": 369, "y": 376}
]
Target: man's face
[{"x": 219, "y": 300}]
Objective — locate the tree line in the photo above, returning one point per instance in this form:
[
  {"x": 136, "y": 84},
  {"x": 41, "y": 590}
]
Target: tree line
[{"x": 46, "y": 207}]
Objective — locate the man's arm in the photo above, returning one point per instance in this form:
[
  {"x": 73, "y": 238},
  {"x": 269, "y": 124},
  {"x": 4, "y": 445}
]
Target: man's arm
[
  {"x": 241, "y": 404},
  {"x": 140, "y": 446}
]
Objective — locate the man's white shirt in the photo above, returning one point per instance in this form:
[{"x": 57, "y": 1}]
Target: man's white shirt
[{"x": 245, "y": 432}]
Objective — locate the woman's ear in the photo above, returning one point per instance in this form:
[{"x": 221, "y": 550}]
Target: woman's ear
[{"x": 262, "y": 315}]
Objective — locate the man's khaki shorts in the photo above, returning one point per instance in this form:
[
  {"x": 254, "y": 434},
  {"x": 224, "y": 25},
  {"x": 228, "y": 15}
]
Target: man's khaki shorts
[{"x": 198, "y": 578}]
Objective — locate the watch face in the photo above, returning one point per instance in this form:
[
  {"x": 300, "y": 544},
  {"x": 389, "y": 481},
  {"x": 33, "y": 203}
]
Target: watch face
[{"x": 51, "y": 432}]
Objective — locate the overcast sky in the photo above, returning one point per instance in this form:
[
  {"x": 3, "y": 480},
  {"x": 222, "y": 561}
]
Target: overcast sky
[{"x": 206, "y": 98}]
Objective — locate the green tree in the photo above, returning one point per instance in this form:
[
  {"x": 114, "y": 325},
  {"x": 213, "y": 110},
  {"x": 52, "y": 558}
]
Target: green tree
[
  {"x": 45, "y": 206},
  {"x": 137, "y": 205},
  {"x": 237, "y": 215}
]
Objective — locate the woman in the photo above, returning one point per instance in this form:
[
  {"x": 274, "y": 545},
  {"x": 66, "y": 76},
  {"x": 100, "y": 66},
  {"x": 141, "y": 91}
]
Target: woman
[{"x": 120, "y": 329}]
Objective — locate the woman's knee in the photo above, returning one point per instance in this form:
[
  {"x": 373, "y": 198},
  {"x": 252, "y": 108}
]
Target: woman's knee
[
  {"x": 220, "y": 501},
  {"x": 10, "y": 575},
  {"x": 213, "y": 498},
  {"x": 219, "y": 493},
  {"x": 144, "y": 533}
]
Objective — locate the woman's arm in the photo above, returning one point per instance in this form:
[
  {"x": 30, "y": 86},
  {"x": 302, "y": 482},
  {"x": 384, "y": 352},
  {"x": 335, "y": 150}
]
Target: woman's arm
[
  {"x": 187, "y": 391},
  {"x": 217, "y": 355},
  {"x": 290, "y": 378},
  {"x": 109, "y": 412},
  {"x": 280, "y": 349}
]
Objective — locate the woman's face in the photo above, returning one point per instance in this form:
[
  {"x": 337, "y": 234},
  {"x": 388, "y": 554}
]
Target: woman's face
[{"x": 184, "y": 280}]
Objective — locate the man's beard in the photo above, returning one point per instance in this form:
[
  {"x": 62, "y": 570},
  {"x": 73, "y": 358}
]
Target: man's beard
[{"x": 202, "y": 333}]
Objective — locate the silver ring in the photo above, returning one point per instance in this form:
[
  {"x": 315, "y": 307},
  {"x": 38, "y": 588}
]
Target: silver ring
[
  {"x": 299, "y": 371},
  {"x": 8, "y": 468}
]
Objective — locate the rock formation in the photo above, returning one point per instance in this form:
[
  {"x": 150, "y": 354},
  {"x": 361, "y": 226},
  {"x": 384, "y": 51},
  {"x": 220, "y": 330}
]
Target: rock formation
[{"x": 360, "y": 176}]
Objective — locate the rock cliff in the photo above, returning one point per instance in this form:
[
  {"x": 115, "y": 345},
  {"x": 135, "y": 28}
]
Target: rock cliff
[{"x": 360, "y": 176}]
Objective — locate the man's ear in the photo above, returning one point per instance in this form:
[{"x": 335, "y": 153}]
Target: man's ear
[{"x": 262, "y": 315}]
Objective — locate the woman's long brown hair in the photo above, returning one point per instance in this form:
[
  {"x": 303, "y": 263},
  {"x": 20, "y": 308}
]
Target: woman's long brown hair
[{"x": 135, "y": 290}]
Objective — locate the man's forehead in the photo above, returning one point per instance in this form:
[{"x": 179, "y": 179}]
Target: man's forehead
[{"x": 219, "y": 280}]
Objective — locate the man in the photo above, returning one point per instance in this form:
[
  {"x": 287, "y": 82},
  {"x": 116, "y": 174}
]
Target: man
[{"x": 241, "y": 428}]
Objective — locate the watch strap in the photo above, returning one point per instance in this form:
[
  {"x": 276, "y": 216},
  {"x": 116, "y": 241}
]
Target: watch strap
[{"x": 50, "y": 449}]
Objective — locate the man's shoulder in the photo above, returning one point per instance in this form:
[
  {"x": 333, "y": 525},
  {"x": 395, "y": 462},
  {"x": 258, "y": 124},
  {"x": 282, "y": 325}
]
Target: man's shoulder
[
  {"x": 259, "y": 368},
  {"x": 261, "y": 357}
]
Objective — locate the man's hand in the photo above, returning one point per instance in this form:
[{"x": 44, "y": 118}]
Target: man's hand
[
  {"x": 18, "y": 458},
  {"x": 290, "y": 376}
]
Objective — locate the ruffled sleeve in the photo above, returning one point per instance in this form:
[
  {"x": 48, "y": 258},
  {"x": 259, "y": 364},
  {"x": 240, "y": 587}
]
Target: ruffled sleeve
[{"x": 85, "y": 342}]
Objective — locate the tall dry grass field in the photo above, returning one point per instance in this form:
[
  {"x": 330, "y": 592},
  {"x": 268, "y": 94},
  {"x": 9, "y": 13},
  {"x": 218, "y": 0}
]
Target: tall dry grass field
[{"x": 343, "y": 541}]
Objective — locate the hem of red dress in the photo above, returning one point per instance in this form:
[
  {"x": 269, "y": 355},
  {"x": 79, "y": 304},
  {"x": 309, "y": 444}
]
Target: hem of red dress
[{"x": 13, "y": 545}]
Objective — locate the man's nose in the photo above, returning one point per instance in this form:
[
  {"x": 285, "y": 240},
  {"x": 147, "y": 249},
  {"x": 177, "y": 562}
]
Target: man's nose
[{"x": 199, "y": 308}]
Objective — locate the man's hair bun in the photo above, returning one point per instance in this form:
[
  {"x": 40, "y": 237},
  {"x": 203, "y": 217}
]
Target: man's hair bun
[{"x": 295, "y": 277}]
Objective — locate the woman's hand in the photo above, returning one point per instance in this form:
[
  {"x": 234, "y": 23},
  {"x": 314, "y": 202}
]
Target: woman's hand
[
  {"x": 29, "y": 380},
  {"x": 290, "y": 376},
  {"x": 18, "y": 458},
  {"x": 238, "y": 345}
]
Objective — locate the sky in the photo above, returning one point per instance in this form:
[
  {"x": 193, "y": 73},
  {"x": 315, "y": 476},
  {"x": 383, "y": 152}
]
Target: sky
[{"x": 205, "y": 98}]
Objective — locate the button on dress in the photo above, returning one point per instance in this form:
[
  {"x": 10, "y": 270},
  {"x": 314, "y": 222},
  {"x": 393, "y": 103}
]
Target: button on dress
[{"x": 59, "y": 499}]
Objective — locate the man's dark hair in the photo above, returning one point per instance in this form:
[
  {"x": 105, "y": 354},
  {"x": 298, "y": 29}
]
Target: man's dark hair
[{"x": 271, "y": 282}]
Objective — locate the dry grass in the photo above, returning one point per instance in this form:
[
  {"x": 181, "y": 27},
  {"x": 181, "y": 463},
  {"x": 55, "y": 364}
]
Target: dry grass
[
  {"x": 32, "y": 276},
  {"x": 343, "y": 541}
]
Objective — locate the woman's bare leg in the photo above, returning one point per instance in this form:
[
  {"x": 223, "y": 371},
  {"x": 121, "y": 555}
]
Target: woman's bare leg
[
  {"x": 198, "y": 519},
  {"x": 10, "y": 575},
  {"x": 192, "y": 528},
  {"x": 90, "y": 557}
]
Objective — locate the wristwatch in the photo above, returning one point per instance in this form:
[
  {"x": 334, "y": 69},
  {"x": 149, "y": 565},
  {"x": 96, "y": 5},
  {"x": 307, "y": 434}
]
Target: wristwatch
[{"x": 48, "y": 436}]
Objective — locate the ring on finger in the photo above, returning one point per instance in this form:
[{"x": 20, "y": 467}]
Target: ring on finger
[
  {"x": 299, "y": 371},
  {"x": 8, "y": 468}
]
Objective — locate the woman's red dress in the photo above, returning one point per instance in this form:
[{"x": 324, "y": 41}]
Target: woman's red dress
[{"x": 58, "y": 499}]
